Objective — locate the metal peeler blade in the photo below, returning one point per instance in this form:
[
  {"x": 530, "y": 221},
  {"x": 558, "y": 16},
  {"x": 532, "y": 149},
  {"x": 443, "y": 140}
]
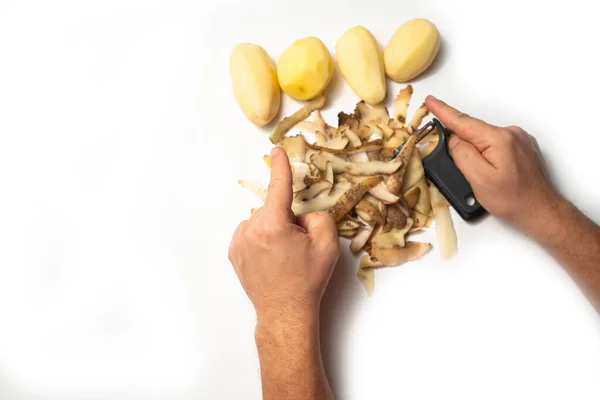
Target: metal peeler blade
[
  {"x": 420, "y": 134},
  {"x": 439, "y": 167}
]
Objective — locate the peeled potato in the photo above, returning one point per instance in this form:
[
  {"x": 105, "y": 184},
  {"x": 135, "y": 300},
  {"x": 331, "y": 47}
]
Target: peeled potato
[
  {"x": 361, "y": 62},
  {"x": 411, "y": 50},
  {"x": 305, "y": 68},
  {"x": 254, "y": 81}
]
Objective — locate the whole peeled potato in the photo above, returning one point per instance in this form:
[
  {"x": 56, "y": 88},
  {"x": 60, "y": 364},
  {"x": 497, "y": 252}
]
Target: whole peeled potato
[
  {"x": 305, "y": 68},
  {"x": 361, "y": 63},
  {"x": 254, "y": 81},
  {"x": 411, "y": 49}
]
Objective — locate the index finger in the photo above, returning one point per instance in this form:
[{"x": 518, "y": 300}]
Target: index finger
[
  {"x": 279, "y": 192},
  {"x": 471, "y": 129}
]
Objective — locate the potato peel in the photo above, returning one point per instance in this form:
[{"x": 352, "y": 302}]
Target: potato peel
[
  {"x": 401, "y": 104},
  {"x": 382, "y": 193},
  {"x": 395, "y": 218},
  {"x": 371, "y": 116},
  {"x": 417, "y": 119},
  {"x": 320, "y": 123},
  {"x": 349, "y": 222},
  {"x": 412, "y": 195},
  {"x": 375, "y": 200},
  {"x": 314, "y": 186},
  {"x": 414, "y": 172},
  {"x": 295, "y": 147},
  {"x": 366, "y": 276},
  {"x": 399, "y": 255},
  {"x": 393, "y": 238},
  {"x": 267, "y": 160},
  {"x": 340, "y": 165},
  {"x": 347, "y": 233},
  {"x": 396, "y": 180},
  {"x": 256, "y": 188},
  {"x": 288, "y": 123},
  {"x": 374, "y": 145},
  {"x": 368, "y": 212},
  {"x": 444, "y": 228},
  {"x": 423, "y": 204},
  {"x": 332, "y": 145},
  {"x": 349, "y": 199},
  {"x": 323, "y": 201},
  {"x": 361, "y": 238},
  {"x": 428, "y": 147}
]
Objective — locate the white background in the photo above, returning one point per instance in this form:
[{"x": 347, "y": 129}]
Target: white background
[{"x": 120, "y": 148}]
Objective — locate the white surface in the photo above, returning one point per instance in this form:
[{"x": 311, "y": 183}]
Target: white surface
[{"x": 120, "y": 148}]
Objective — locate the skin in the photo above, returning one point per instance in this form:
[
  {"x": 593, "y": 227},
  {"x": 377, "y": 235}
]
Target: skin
[
  {"x": 284, "y": 262},
  {"x": 508, "y": 175}
]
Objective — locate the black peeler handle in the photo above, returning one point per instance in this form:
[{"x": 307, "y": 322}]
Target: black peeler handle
[{"x": 445, "y": 175}]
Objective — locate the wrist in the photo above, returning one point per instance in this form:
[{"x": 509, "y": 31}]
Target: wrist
[
  {"x": 299, "y": 318},
  {"x": 290, "y": 310},
  {"x": 545, "y": 218}
]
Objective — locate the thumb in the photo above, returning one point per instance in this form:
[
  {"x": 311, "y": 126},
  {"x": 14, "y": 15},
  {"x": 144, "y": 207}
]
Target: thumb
[
  {"x": 317, "y": 224},
  {"x": 469, "y": 160}
]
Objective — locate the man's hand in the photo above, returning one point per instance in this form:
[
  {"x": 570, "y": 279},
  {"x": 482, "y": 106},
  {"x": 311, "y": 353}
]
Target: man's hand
[
  {"x": 284, "y": 263},
  {"x": 506, "y": 171},
  {"x": 503, "y": 165}
]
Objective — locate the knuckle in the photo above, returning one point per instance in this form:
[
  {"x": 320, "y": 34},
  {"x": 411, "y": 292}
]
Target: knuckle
[
  {"x": 517, "y": 134},
  {"x": 514, "y": 129},
  {"x": 506, "y": 137},
  {"x": 272, "y": 228}
]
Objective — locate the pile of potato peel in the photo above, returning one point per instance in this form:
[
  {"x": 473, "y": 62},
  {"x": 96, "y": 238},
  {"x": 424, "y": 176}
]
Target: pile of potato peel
[{"x": 376, "y": 201}]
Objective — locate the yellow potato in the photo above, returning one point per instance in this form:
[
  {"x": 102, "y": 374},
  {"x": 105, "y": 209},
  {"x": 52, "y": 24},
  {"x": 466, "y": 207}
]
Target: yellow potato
[
  {"x": 361, "y": 62},
  {"x": 254, "y": 81},
  {"x": 305, "y": 68},
  {"x": 411, "y": 50}
]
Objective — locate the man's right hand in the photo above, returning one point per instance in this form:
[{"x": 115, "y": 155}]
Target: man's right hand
[
  {"x": 503, "y": 165},
  {"x": 505, "y": 169}
]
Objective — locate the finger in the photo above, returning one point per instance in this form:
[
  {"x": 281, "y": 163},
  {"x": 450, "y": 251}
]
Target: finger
[
  {"x": 469, "y": 161},
  {"x": 466, "y": 127},
  {"x": 279, "y": 193},
  {"x": 317, "y": 224}
]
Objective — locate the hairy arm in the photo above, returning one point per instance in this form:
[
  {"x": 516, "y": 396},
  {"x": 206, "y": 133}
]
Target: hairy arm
[
  {"x": 507, "y": 173},
  {"x": 290, "y": 358},
  {"x": 573, "y": 240},
  {"x": 284, "y": 264}
]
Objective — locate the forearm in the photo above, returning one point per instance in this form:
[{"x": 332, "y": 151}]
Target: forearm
[
  {"x": 574, "y": 241},
  {"x": 290, "y": 358}
]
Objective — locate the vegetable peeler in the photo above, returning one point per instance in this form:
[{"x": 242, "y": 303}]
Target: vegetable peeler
[{"x": 445, "y": 175}]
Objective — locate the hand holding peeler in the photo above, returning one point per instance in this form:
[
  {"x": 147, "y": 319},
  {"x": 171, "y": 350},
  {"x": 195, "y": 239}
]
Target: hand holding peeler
[{"x": 445, "y": 175}]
